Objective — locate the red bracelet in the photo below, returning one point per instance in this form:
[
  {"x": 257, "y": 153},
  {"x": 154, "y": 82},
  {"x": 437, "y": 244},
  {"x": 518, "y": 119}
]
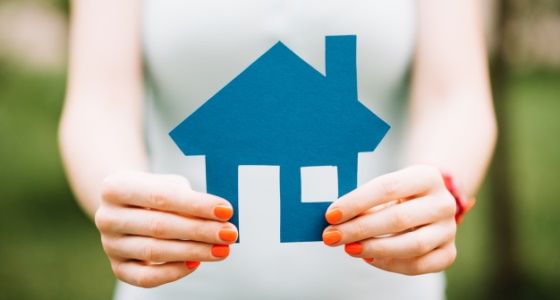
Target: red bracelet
[{"x": 463, "y": 204}]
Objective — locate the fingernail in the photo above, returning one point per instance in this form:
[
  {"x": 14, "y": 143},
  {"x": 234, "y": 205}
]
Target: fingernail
[
  {"x": 223, "y": 212},
  {"x": 369, "y": 259},
  {"x": 220, "y": 250},
  {"x": 331, "y": 237},
  {"x": 228, "y": 235},
  {"x": 192, "y": 264},
  {"x": 353, "y": 248},
  {"x": 333, "y": 216}
]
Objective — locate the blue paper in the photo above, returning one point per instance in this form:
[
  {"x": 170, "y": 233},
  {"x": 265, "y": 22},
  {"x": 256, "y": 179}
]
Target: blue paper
[{"x": 281, "y": 111}]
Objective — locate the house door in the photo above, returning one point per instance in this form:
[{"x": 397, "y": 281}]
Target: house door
[{"x": 259, "y": 204}]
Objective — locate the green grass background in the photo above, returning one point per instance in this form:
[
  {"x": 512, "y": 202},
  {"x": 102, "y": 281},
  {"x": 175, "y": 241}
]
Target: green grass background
[{"x": 50, "y": 250}]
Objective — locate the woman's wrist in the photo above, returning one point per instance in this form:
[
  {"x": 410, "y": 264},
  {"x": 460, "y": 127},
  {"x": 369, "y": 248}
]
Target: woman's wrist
[{"x": 464, "y": 204}]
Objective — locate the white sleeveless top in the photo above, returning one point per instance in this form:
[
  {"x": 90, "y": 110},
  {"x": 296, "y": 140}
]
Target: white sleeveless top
[{"x": 193, "y": 48}]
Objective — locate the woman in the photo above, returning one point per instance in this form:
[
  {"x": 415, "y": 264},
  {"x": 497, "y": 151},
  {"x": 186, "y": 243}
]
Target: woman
[{"x": 138, "y": 68}]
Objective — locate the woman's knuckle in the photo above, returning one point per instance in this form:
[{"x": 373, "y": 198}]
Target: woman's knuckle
[
  {"x": 429, "y": 177},
  {"x": 177, "y": 275},
  {"x": 444, "y": 207},
  {"x": 415, "y": 268},
  {"x": 152, "y": 252},
  {"x": 200, "y": 232},
  {"x": 108, "y": 193},
  {"x": 389, "y": 186},
  {"x": 422, "y": 246},
  {"x": 111, "y": 187},
  {"x": 145, "y": 280},
  {"x": 157, "y": 227},
  {"x": 179, "y": 180},
  {"x": 451, "y": 230},
  {"x": 103, "y": 220},
  {"x": 159, "y": 199},
  {"x": 401, "y": 221},
  {"x": 119, "y": 270},
  {"x": 108, "y": 245},
  {"x": 378, "y": 248},
  {"x": 432, "y": 172},
  {"x": 361, "y": 230},
  {"x": 99, "y": 219},
  {"x": 427, "y": 171},
  {"x": 451, "y": 252},
  {"x": 450, "y": 207}
]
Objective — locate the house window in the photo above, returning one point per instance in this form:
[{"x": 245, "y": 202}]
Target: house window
[{"x": 319, "y": 184}]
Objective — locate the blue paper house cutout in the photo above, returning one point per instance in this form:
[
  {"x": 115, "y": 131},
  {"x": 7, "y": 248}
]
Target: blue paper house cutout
[{"x": 281, "y": 111}]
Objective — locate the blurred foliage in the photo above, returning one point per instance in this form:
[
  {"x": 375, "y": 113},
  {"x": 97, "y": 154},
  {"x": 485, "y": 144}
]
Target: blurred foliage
[
  {"x": 533, "y": 8},
  {"x": 50, "y": 250},
  {"x": 533, "y": 110},
  {"x": 62, "y": 5},
  {"x": 535, "y": 107}
]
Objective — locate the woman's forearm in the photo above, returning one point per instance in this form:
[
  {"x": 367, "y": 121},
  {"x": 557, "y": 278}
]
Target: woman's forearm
[
  {"x": 452, "y": 124},
  {"x": 101, "y": 126},
  {"x": 95, "y": 144}
]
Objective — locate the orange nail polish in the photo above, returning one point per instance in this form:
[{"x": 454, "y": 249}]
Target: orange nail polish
[
  {"x": 223, "y": 212},
  {"x": 353, "y": 248},
  {"x": 220, "y": 250},
  {"x": 228, "y": 235},
  {"x": 369, "y": 259},
  {"x": 331, "y": 237},
  {"x": 192, "y": 264},
  {"x": 333, "y": 216}
]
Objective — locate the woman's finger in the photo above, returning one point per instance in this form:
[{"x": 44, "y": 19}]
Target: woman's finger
[
  {"x": 409, "y": 244},
  {"x": 413, "y": 181},
  {"x": 163, "y": 192},
  {"x": 392, "y": 220},
  {"x": 434, "y": 261},
  {"x": 151, "y": 275},
  {"x": 163, "y": 225},
  {"x": 156, "y": 250}
]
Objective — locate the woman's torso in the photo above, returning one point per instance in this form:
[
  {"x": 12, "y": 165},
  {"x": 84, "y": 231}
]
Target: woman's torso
[{"x": 192, "y": 50}]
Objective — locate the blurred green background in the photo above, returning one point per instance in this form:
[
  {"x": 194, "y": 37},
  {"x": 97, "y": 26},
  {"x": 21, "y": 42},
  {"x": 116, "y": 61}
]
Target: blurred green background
[{"x": 51, "y": 250}]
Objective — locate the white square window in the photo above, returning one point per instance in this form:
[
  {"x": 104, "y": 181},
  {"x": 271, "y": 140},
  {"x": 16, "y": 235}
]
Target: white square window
[{"x": 319, "y": 184}]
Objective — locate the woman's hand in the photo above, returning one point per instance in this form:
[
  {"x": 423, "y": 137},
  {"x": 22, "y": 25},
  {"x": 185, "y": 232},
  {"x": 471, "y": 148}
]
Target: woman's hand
[
  {"x": 401, "y": 222},
  {"x": 155, "y": 229}
]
